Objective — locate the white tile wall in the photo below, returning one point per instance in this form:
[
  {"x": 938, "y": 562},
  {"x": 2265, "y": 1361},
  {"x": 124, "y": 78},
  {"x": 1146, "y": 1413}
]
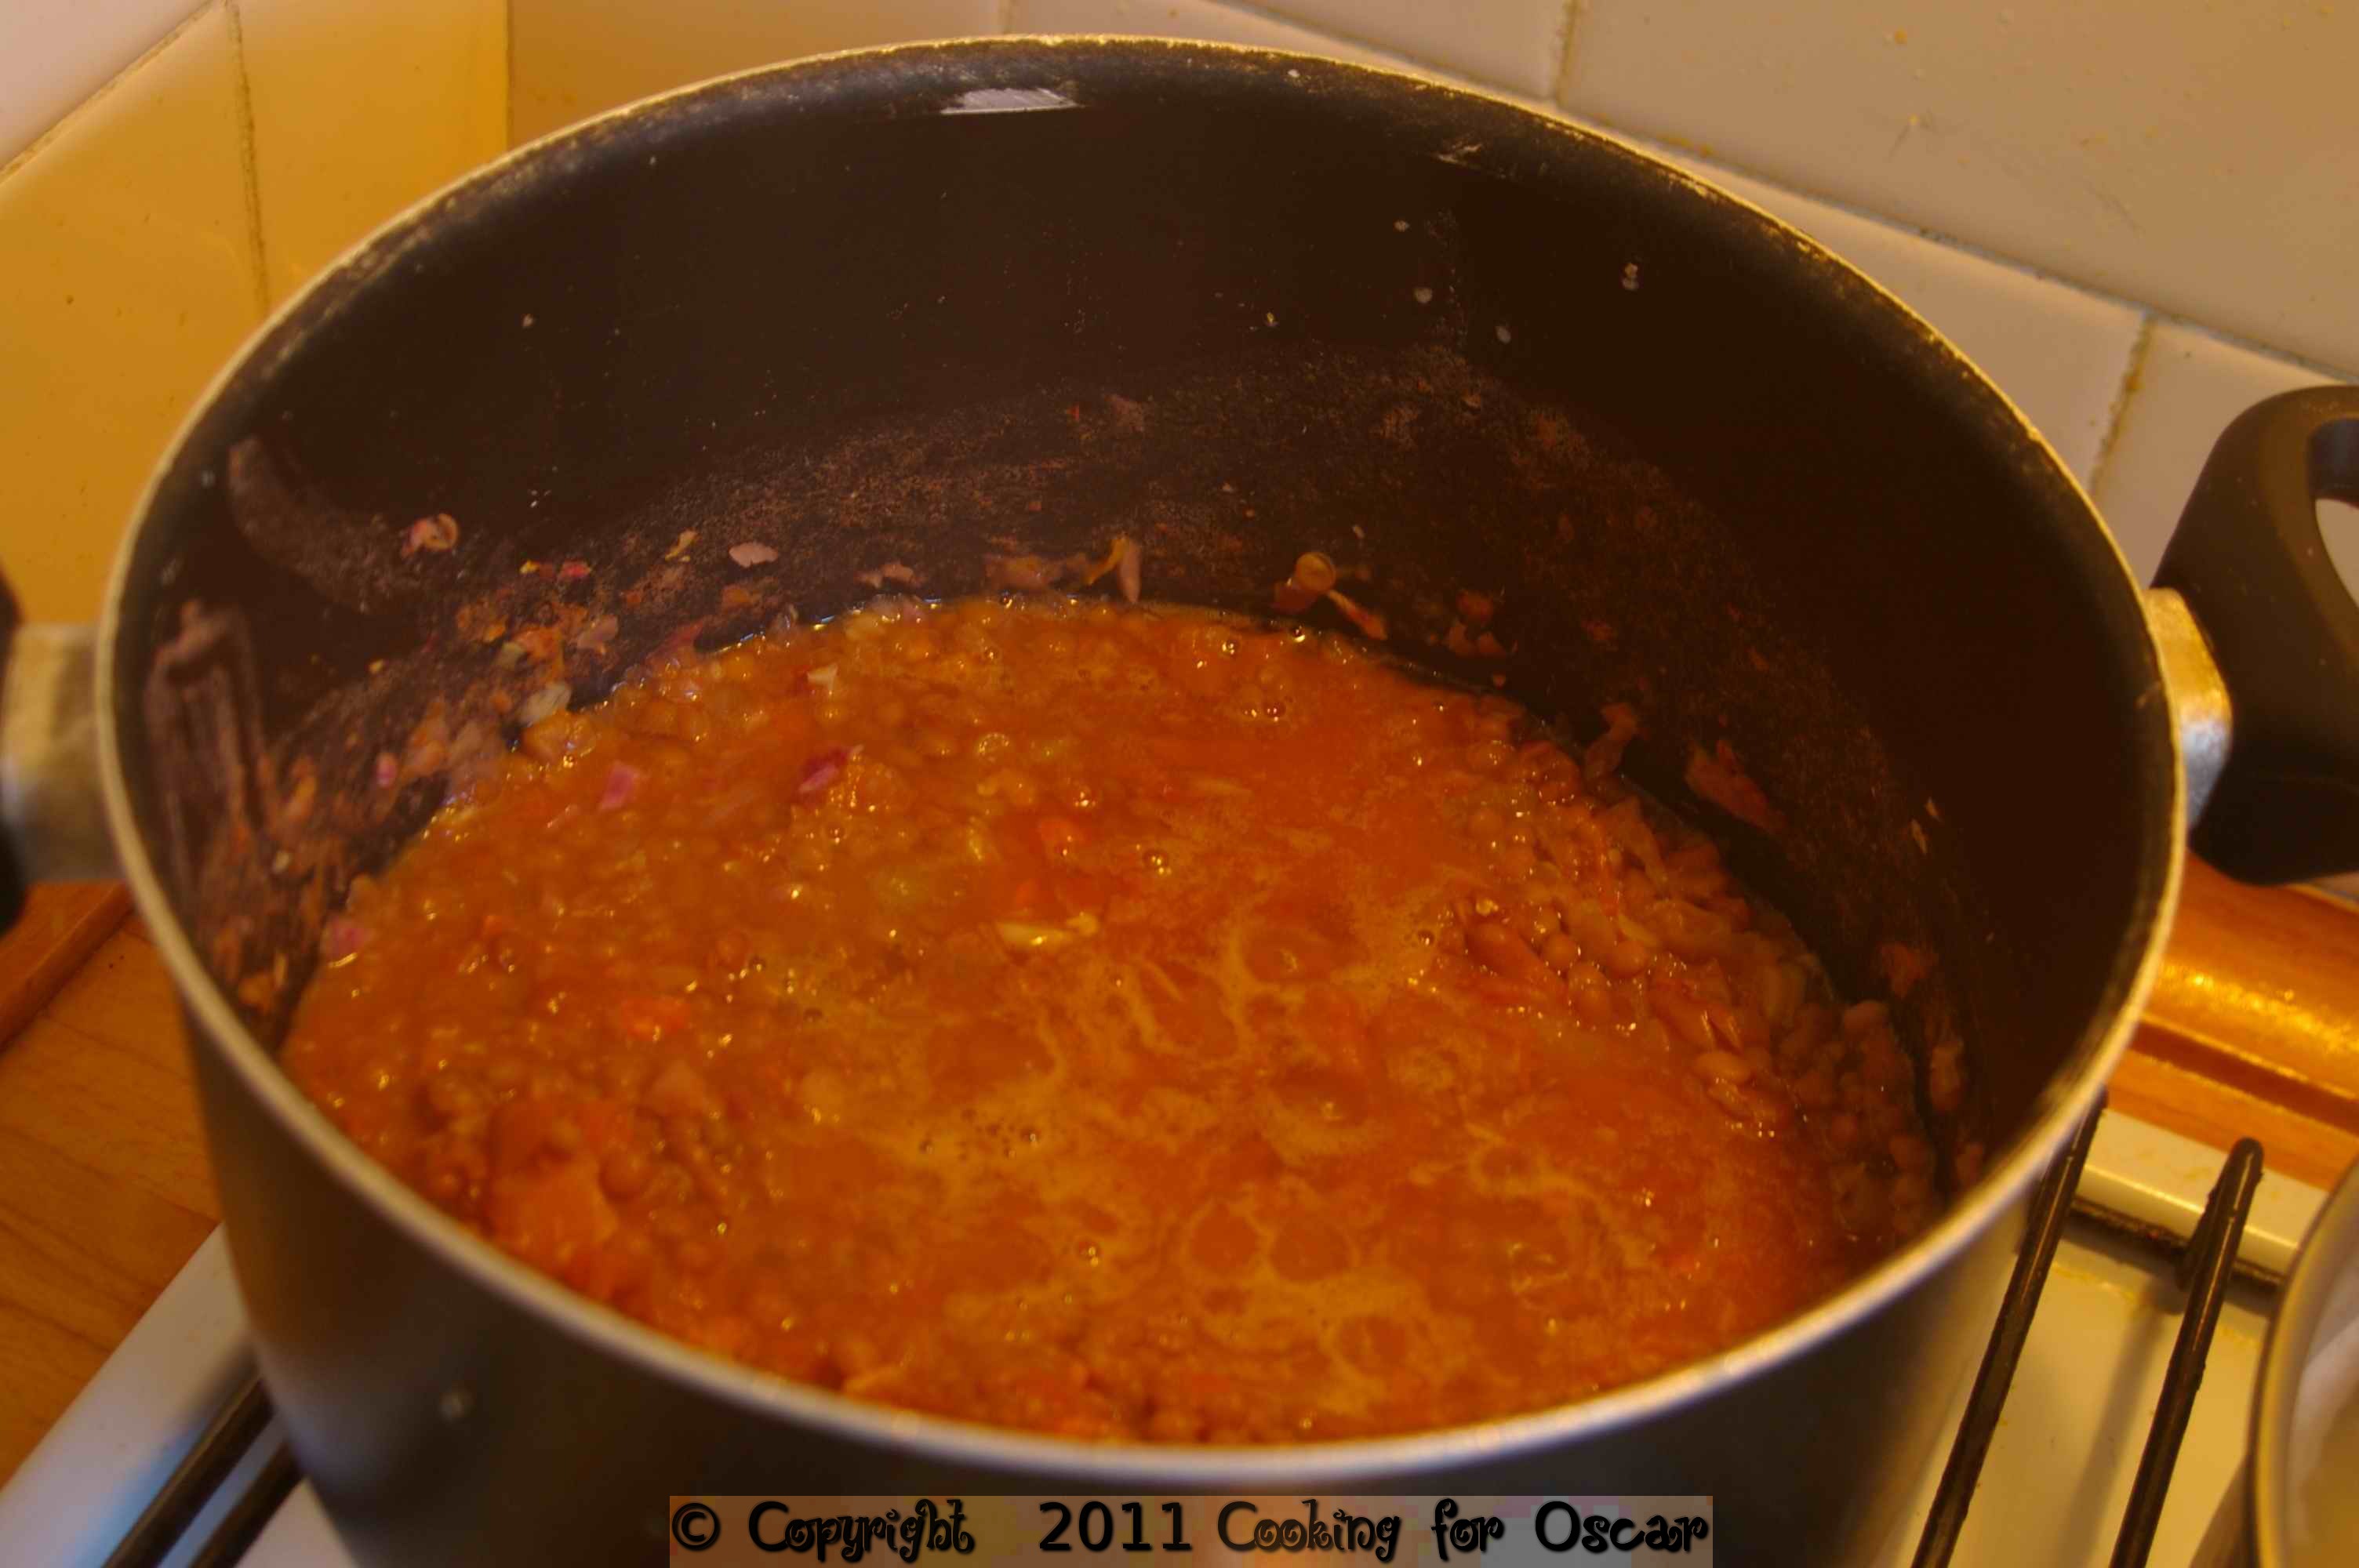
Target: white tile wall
[
  {"x": 2059, "y": 353},
  {"x": 55, "y": 53},
  {"x": 360, "y": 108},
  {"x": 2189, "y": 385},
  {"x": 1514, "y": 44},
  {"x": 568, "y": 60},
  {"x": 129, "y": 271},
  {"x": 2204, "y": 159},
  {"x": 1184, "y": 19}
]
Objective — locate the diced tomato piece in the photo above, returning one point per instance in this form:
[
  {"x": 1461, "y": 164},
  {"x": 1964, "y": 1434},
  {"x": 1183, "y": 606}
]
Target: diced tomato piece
[
  {"x": 549, "y": 1216},
  {"x": 523, "y": 1128},
  {"x": 650, "y": 1018}
]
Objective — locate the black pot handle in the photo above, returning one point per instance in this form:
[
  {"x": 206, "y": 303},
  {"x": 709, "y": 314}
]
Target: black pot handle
[{"x": 2250, "y": 561}]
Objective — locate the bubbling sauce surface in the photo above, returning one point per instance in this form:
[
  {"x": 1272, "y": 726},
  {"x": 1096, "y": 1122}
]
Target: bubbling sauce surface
[{"x": 1129, "y": 1023}]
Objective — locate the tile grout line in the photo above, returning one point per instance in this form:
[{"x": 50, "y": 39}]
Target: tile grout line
[
  {"x": 1550, "y": 100},
  {"x": 2125, "y": 390},
  {"x": 247, "y": 157},
  {"x": 50, "y": 133},
  {"x": 1561, "y": 71},
  {"x": 1707, "y": 164},
  {"x": 507, "y": 74},
  {"x": 2219, "y": 334},
  {"x": 1447, "y": 75}
]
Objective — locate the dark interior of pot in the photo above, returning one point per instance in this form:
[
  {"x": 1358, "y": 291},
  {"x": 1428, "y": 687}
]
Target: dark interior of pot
[{"x": 1018, "y": 299}]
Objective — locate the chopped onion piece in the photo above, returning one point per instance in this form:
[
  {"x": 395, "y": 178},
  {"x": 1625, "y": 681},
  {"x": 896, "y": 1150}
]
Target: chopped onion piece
[
  {"x": 622, "y": 783},
  {"x": 1030, "y": 936},
  {"x": 1371, "y": 624},
  {"x": 550, "y": 699},
  {"x": 821, "y": 678},
  {"x": 342, "y": 937},
  {"x": 751, "y": 554},
  {"x": 1126, "y": 573},
  {"x": 1023, "y": 573},
  {"x": 822, "y": 771},
  {"x": 438, "y": 533},
  {"x": 1290, "y": 598}
]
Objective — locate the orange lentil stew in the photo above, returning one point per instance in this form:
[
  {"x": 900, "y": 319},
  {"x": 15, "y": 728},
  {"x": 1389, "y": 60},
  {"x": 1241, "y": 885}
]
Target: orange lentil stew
[{"x": 1122, "y": 1022}]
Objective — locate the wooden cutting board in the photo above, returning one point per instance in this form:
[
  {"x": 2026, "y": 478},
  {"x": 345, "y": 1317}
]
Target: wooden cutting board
[{"x": 2254, "y": 1027}]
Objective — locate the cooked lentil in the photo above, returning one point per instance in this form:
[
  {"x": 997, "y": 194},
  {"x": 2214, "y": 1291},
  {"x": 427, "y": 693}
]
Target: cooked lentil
[{"x": 1124, "y": 1024}]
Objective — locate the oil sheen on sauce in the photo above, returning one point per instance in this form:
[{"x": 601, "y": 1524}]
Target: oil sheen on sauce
[{"x": 1127, "y": 1023}]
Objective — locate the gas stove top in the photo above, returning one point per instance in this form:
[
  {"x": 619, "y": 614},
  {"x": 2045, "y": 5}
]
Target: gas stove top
[{"x": 2053, "y": 1491}]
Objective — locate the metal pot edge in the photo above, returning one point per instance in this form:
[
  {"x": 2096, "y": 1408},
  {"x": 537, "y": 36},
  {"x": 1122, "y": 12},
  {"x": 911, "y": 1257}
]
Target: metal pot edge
[{"x": 2072, "y": 1095}]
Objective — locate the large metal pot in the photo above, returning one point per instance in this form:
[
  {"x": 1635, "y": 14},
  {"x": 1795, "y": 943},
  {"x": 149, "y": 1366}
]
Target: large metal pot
[{"x": 898, "y": 305}]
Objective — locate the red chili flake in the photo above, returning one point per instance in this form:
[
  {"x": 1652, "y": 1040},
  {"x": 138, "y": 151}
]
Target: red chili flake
[{"x": 573, "y": 571}]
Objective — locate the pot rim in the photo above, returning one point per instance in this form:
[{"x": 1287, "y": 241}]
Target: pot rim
[
  {"x": 2068, "y": 1099},
  {"x": 2328, "y": 1253}
]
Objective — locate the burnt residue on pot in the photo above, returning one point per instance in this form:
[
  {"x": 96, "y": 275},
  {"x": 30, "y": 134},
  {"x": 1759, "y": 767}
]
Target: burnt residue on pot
[
  {"x": 1604, "y": 583},
  {"x": 1232, "y": 325},
  {"x": 273, "y": 806}
]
